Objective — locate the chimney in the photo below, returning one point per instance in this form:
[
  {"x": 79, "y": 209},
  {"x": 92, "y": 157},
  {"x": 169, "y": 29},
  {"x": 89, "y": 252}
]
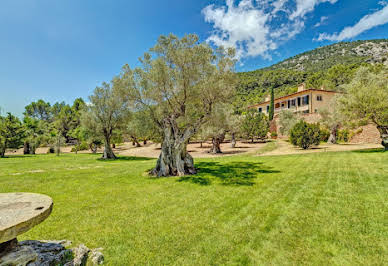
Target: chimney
[
  {"x": 268, "y": 98},
  {"x": 322, "y": 88},
  {"x": 302, "y": 87}
]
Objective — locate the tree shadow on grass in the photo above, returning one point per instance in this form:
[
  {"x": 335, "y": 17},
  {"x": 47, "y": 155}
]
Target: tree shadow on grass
[
  {"x": 125, "y": 158},
  {"x": 16, "y": 156},
  {"x": 196, "y": 180},
  {"x": 230, "y": 174},
  {"x": 375, "y": 150}
]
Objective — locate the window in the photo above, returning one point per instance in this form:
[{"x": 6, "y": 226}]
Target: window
[
  {"x": 293, "y": 102},
  {"x": 305, "y": 100},
  {"x": 298, "y": 101},
  {"x": 267, "y": 108},
  {"x": 319, "y": 98},
  {"x": 260, "y": 110}
]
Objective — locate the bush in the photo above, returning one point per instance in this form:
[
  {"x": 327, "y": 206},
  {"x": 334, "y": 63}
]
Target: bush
[
  {"x": 82, "y": 147},
  {"x": 305, "y": 135},
  {"x": 325, "y": 134},
  {"x": 354, "y": 133},
  {"x": 343, "y": 135}
]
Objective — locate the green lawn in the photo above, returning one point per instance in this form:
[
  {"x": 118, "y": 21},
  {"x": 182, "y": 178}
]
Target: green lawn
[{"x": 326, "y": 208}]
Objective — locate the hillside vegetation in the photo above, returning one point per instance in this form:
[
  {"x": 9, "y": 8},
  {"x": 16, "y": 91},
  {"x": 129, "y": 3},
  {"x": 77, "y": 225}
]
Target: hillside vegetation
[
  {"x": 330, "y": 66},
  {"x": 370, "y": 51}
]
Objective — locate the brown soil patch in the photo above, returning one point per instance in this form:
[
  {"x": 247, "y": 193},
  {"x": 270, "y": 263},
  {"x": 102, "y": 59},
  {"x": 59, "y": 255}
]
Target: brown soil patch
[
  {"x": 284, "y": 147},
  {"x": 42, "y": 150},
  {"x": 152, "y": 150}
]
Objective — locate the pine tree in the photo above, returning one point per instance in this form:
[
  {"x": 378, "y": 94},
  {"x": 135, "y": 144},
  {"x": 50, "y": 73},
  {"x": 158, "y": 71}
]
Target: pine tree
[{"x": 272, "y": 105}]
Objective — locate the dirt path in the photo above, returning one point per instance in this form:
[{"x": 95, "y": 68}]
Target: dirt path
[
  {"x": 284, "y": 147},
  {"x": 280, "y": 147},
  {"x": 153, "y": 150}
]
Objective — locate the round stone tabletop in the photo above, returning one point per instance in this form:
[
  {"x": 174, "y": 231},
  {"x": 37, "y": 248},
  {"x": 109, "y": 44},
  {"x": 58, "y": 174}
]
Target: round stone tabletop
[{"x": 19, "y": 212}]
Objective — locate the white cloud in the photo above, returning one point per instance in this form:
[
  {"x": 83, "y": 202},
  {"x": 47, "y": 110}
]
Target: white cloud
[
  {"x": 323, "y": 19},
  {"x": 366, "y": 23},
  {"x": 305, "y": 6},
  {"x": 279, "y": 6},
  {"x": 243, "y": 27},
  {"x": 288, "y": 31},
  {"x": 383, "y": 3},
  {"x": 257, "y": 27}
]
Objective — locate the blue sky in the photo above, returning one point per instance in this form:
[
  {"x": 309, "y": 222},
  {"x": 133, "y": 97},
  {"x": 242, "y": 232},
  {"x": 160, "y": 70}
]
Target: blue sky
[{"x": 61, "y": 50}]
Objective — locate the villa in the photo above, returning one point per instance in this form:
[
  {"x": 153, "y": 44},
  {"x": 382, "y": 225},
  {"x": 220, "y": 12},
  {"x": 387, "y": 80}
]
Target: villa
[
  {"x": 307, "y": 103},
  {"x": 304, "y": 101}
]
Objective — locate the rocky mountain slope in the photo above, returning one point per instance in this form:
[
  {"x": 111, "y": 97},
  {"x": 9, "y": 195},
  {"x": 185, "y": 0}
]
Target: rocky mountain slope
[{"x": 370, "y": 51}]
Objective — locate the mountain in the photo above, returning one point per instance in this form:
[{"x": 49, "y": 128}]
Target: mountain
[
  {"x": 370, "y": 51},
  {"x": 329, "y": 66}
]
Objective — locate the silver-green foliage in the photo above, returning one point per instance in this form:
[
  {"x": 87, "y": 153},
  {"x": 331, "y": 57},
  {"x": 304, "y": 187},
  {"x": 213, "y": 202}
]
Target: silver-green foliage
[
  {"x": 255, "y": 125},
  {"x": 366, "y": 100}
]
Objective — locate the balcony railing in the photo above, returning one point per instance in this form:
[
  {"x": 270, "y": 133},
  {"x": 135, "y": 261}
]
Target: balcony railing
[{"x": 302, "y": 108}]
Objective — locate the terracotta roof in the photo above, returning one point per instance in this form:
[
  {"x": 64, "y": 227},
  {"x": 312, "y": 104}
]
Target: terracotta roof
[{"x": 292, "y": 94}]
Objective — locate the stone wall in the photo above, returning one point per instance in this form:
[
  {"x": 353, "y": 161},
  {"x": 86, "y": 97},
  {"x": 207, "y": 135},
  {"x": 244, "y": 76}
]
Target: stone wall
[{"x": 366, "y": 134}]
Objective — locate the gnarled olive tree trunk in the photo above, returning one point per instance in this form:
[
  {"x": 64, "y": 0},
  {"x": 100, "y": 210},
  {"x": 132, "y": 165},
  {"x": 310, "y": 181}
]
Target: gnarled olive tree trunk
[
  {"x": 216, "y": 143},
  {"x": 174, "y": 160},
  {"x": 135, "y": 141},
  {"x": 233, "y": 142},
  {"x": 93, "y": 147},
  {"x": 108, "y": 152},
  {"x": 333, "y": 134},
  {"x": 2, "y": 150},
  {"x": 384, "y": 136},
  {"x": 33, "y": 148},
  {"x": 26, "y": 147}
]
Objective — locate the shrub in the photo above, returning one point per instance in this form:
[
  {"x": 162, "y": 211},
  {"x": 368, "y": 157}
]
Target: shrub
[
  {"x": 82, "y": 147},
  {"x": 324, "y": 135},
  {"x": 305, "y": 135},
  {"x": 354, "y": 133},
  {"x": 343, "y": 135}
]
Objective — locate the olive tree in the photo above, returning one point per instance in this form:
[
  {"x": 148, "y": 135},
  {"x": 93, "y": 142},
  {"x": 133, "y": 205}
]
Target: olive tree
[
  {"x": 106, "y": 112},
  {"x": 366, "y": 100},
  {"x": 221, "y": 121},
  {"x": 255, "y": 125},
  {"x": 234, "y": 123},
  {"x": 332, "y": 119},
  {"x": 287, "y": 120},
  {"x": 140, "y": 127},
  {"x": 180, "y": 82}
]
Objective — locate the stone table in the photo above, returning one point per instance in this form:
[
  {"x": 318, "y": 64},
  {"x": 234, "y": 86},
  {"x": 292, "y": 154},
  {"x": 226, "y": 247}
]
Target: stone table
[{"x": 19, "y": 212}]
